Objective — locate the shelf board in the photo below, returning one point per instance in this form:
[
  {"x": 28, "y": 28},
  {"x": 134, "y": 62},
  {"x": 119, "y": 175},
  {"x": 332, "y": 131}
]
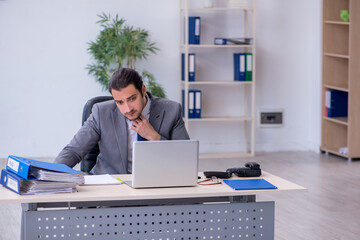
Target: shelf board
[
  {"x": 333, "y": 151},
  {"x": 225, "y": 82},
  {"x": 222, "y": 155},
  {"x": 336, "y": 55},
  {"x": 219, "y": 45},
  {"x": 220, "y": 9},
  {"x": 344, "y": 89},
  {"x": 340, "y": 120},
  {"x": 220, "y": 119},
  {"x": 337, "y": 22}
]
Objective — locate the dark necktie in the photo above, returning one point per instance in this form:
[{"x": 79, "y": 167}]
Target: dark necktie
[{"x": 140, "y": 138}]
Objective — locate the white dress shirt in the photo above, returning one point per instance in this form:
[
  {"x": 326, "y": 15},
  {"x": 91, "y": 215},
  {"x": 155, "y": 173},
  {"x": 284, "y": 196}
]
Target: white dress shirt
[{"x": 132, "y": 134}]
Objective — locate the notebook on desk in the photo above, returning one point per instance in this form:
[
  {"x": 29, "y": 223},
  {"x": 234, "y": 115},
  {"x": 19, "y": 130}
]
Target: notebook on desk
[
  {"x": 164, "y": 164},
  {"x": 249, "y": 184}
]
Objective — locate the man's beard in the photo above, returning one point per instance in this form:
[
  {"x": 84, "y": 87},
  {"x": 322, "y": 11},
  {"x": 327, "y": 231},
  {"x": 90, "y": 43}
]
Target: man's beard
[
  {"x": 135, "y": 111},
  {"x": 134, "y": 117}
]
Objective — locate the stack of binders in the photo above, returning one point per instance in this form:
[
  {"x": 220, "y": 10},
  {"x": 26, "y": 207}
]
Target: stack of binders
[
  {"x": 194, "y": 103},
  {"x": 243, "y": 66},
  {"x": 26, "y": 176}
]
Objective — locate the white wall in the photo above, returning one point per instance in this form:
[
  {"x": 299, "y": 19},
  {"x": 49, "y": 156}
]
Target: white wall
[
  {"x": 44, "y": 83},
  {"x": 288, "y": 72}
]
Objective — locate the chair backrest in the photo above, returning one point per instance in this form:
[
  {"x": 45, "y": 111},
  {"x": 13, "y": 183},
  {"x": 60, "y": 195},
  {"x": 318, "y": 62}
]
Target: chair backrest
[{"x": 89, "y": 161}]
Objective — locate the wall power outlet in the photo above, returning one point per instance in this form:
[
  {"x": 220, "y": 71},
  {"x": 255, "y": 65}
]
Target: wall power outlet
[{"x": 271, "y": 118}]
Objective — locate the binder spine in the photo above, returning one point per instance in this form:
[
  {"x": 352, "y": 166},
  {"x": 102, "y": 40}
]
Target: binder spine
[
  {"x": 220, "y": 41},
  {"x": 242, "y": 67},
  {"x": 191, "y": 104},
  {"x": 10, "y": 182},
  {"x": 194, "y": 30},
  {"x": 18, "y": 165},
  {"x": 327, "y": 102},
  {"x": 249, "y": 67},
  {"x": 236, "y": 67},
  {"x": 198, "y": 103},
  {"x": 182, "y": 66},
  {"x": 239, "y": 67},
  {"x": 192, "y": 67},
  {"x": 183, "y": 102}
]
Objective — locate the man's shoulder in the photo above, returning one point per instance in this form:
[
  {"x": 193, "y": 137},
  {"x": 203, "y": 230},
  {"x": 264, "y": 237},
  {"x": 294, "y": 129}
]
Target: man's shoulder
[
  {"x": 105, "y": 106},
  {"x": 164, "y": 102}
]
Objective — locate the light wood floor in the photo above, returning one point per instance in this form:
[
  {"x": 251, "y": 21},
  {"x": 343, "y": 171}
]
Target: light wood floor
[{"x": 329, "y": 210}]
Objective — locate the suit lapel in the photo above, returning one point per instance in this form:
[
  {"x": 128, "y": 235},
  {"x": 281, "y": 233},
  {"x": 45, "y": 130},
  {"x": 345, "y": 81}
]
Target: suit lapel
[{"x": 120, "y": 127}]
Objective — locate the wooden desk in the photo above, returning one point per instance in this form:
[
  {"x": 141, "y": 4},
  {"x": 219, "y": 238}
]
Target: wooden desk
[{"x": 120, "y": 212}]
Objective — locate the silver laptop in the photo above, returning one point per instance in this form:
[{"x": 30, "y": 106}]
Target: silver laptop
[{"x": 165, "y": 163}]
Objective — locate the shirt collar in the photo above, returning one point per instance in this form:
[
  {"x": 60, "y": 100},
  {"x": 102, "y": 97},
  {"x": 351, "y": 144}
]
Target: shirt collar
[{"x": 146, "y": 111}]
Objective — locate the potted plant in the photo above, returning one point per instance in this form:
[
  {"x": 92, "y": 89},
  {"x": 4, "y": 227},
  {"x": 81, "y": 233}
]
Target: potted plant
[{"x": 119, "y": 45}]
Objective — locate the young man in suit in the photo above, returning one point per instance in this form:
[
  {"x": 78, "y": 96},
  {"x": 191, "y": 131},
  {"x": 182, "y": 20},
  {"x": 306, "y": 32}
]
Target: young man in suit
[{"x": 133, "y": 114}]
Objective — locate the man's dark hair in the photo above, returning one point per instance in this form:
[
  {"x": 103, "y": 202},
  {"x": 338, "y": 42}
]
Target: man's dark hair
[{"x": 123, "y": 78}]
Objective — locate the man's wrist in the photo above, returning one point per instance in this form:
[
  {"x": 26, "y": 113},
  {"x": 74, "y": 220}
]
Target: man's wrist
[{"x": 155, "y": 138}]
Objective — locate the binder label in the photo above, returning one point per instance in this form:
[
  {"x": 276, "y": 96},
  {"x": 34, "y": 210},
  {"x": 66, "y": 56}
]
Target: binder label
[
  {"x": 192, "y": 63},
  {"x": 242, "y": 63},
  {"x": 191, "y": 104},
  {"x": 12, "y": 184},
  {"x": 197, "y": 27},
  {"x": 198, "y": 100},
  {"x": 327, "y": 99},
  {"x": 191, "y": 100},
  {"x": 248, "y": 63},
  {"x": 14, "y": 165}
]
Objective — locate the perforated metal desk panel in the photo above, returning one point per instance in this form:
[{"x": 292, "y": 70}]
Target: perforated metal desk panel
[{"x": 120, "y": 212}]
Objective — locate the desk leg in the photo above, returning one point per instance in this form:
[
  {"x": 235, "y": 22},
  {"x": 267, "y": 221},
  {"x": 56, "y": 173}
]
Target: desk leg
[
  {"x": 22, "y": 228},
  {"x": 25, "y": 207}
]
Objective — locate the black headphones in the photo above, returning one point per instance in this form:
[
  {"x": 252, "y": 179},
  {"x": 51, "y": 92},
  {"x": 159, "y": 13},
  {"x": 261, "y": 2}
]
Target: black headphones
[{"x": 251, "y": 169}]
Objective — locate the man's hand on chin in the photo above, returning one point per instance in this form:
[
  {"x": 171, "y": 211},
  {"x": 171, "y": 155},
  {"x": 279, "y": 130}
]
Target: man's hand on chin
[{"x": 142, "y": 126}]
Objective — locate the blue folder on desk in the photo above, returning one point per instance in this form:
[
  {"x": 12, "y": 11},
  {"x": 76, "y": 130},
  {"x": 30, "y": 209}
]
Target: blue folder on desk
[
  {"x": 21, "y": 186},
  {"x": 23, "y": 167},
  {"x": 249, "y": 184}
]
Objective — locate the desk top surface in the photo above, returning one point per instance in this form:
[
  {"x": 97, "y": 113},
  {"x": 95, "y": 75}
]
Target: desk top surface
[{"x": 124, "y": 192}]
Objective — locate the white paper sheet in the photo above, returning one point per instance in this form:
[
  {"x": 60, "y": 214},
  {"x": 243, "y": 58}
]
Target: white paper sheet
[{"x": 101, "y": 180}]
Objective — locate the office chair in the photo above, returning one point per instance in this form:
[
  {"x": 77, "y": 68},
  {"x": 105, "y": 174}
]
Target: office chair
[{"x": 89, "y": 161}]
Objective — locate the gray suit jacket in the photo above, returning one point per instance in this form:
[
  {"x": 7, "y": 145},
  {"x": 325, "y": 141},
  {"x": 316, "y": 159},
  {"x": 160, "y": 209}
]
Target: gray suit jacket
[{"x": 107, "y": 126}]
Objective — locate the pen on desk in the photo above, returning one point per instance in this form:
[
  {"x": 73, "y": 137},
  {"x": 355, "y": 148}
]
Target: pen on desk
[{"x": 120, "y": 180}]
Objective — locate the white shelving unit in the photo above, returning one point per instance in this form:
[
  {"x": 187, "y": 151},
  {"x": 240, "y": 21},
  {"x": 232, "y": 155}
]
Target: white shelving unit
[{"x": 246, "y": 88}]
